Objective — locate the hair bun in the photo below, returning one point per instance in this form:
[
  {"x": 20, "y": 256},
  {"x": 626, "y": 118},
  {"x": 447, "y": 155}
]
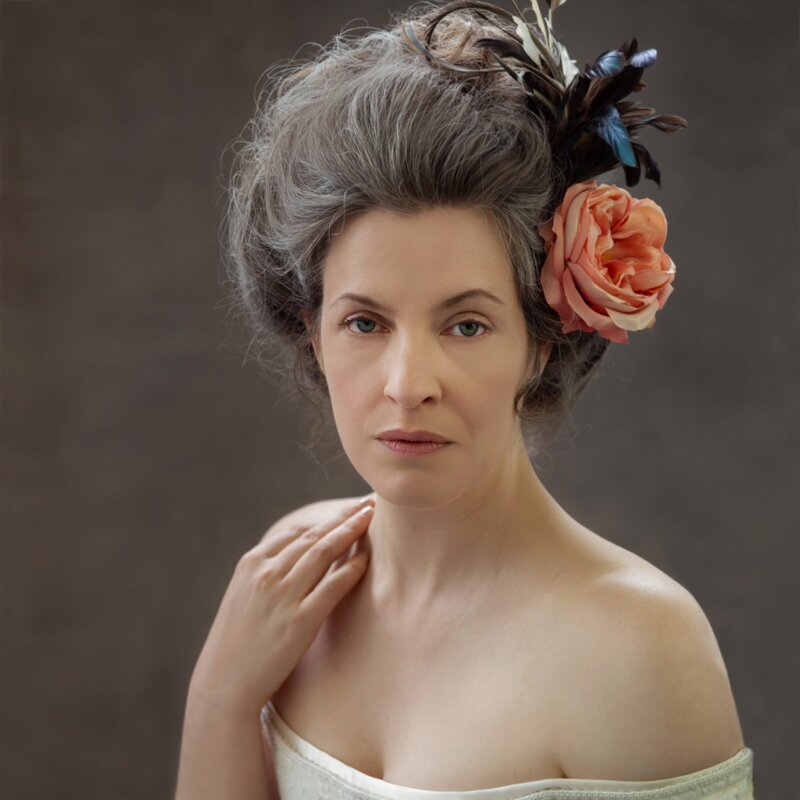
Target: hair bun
[{"x": 592, "y": 127}]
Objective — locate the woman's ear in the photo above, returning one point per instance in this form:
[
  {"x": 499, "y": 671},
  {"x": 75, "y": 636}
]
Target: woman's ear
[
  {"x": 544, "y": 353},
  {"x": 306, "y": 317}
]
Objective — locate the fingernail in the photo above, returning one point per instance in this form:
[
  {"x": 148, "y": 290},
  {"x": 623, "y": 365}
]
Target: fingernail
[
  {"x": 364, "y": 499},
  {"x": 365, "y": 510}
]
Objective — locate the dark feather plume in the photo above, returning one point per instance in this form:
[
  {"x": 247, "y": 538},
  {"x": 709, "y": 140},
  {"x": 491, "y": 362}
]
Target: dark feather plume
[{"x": 593, "y": 128}]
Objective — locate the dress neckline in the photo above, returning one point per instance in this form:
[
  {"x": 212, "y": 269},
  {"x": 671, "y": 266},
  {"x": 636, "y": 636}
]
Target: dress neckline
[{"x": 732, "y": 768}]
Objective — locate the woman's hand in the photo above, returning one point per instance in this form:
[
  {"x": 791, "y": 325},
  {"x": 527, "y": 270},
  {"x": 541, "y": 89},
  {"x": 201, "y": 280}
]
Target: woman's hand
[{"x": 273, "y": 609}]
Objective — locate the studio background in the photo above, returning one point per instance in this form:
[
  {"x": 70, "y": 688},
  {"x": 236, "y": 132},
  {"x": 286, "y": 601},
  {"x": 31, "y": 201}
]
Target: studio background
[{"x": 141, "y": 457}]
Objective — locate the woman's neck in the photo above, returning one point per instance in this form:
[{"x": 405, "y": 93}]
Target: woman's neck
[{"x": 423, "y": 556}]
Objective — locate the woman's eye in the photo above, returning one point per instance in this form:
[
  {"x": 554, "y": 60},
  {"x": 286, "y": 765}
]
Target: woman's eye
[
  {"x": 472, "y": 323},
  {"x": 351, "y": 320},
  {"x": 468, "y": 323}
]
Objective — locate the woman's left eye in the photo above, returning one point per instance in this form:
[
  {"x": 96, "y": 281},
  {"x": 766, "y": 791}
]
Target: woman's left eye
[{"x": 470, "y": 322}]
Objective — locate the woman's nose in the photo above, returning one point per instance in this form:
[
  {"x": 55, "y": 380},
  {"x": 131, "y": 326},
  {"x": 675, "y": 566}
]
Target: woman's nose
[{"x": 411, "y": 372}]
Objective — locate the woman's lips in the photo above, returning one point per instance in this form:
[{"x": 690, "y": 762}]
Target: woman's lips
[{"x": 405, "y": 448}]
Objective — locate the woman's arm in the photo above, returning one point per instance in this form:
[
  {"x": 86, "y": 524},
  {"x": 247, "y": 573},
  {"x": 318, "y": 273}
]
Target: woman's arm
[
  {"x": 262, "y": 630},
  {"x": 223, "y": 754}
]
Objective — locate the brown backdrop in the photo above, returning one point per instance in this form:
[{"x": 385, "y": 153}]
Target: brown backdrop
[{"x": 140, "y": 457}]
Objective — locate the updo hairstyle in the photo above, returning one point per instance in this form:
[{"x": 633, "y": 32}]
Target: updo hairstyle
[{"x": 369, "y": 122}]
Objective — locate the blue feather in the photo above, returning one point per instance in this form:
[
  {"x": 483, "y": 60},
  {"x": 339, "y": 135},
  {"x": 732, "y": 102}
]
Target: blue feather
[
  {"x": 606, "y": 64},
  {"x": 645, "y": 58},
  {"x": 611, "y": 127}
]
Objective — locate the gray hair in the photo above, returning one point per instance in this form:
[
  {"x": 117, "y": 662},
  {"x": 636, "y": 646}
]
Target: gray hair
[{"x": 368, "y": 123}]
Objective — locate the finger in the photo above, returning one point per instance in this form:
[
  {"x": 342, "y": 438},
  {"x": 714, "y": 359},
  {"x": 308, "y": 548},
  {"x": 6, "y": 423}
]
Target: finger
[
  {"x": 316, "y": 557},
  {"x": 327, "y": 594},
  {"x": 281, "y": 535},
  {"x": 329, "y": 544},
  {"x": 297, "y": 546},
  {"x": 275, "y": 539}
]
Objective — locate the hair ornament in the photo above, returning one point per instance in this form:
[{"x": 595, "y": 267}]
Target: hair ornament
[{"x": 605, "y": 269}]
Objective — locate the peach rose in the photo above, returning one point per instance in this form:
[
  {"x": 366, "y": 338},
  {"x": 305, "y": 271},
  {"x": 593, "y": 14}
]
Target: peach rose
[{"x": 606, "y": 269}]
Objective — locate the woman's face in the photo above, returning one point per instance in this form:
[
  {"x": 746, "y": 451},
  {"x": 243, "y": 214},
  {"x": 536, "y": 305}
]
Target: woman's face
[{"x": 417, "y": 362}]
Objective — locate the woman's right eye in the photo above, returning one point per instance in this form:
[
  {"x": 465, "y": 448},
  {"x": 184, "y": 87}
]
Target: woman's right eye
[{"x": 346, "y": 323}]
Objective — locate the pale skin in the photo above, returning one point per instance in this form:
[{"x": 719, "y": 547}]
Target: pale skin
[{"x": 493, "y": 639}]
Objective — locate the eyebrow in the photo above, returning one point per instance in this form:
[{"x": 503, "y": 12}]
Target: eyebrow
[{"x": 448, "y": 303}]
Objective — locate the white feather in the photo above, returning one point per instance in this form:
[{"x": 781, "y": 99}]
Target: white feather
[
  {"x": 527, "y": 41},
  {"x": 540, "y": 22},
  {"x": 568, "y": 65}
]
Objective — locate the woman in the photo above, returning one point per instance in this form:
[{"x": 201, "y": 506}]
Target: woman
[{"x": 416, "y": 214}]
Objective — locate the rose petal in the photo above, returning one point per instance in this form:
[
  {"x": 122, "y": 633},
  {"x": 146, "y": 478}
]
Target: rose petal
[
  {"x": 649, "y": 281},
  {"x": 612, "y": 276},
  {"x": 576, "y": 224},
  {"x": 636, "y": 320},
  {"x": 592, "y": 289},
  {"x": 636, "y": 251},
  {"x": 648, "y": 222},
  {"x": 579, "y": 306}
]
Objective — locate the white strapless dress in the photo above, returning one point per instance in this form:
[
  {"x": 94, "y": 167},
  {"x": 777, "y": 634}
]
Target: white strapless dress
[{"x": 304, "y": 772}]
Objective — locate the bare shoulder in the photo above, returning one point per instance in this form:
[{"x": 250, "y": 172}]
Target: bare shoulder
[
  {"x": 649, "y": 695},
  {"x": 309, "y": 514}
]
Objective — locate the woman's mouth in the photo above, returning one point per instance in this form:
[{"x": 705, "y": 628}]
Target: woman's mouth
[{"x": 403, "y": 447}]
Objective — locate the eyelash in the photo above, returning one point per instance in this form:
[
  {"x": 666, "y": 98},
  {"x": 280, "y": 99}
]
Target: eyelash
[{"x": 346, "y": 322}]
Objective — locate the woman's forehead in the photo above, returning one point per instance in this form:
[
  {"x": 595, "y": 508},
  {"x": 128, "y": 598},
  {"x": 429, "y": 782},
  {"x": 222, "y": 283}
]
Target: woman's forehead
[
  {"x": 439, "y": 252},
  {"x": 442, "y": 232}
]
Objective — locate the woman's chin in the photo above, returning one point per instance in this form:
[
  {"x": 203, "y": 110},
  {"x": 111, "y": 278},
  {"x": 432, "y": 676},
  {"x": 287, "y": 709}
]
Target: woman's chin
[{"x": 415, "y": 491}]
